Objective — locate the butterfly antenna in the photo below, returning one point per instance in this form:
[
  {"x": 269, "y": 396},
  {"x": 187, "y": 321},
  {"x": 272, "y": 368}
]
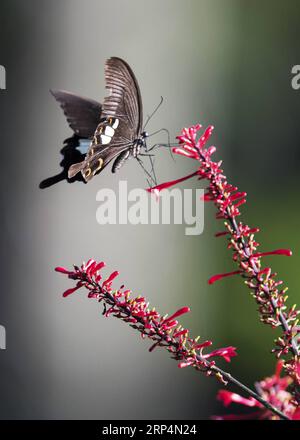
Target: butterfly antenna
[
  {"x": 158, "y": 131},
  {"x": 159, "y": 145},
  {"x": 168, "y": 145},
  {"x": 153, "y": 113}
]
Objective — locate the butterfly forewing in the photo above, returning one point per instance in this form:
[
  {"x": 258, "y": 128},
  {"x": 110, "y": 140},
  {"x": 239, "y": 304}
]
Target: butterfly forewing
[
  {"x": 124, "y": 100},
  {"x": 121, "y": 122}
]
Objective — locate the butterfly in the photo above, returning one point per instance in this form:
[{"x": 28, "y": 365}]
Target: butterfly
[{"x": 111, "y": 131}]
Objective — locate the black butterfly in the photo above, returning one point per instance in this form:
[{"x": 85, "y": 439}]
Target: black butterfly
[{"x": 113, "y": 130}]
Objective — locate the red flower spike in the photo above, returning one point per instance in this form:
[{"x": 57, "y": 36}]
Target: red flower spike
[
  {"x": 228, "y": 201},
  {"x": 219, "y": 276},
  {"x": 162, "y": 331}
]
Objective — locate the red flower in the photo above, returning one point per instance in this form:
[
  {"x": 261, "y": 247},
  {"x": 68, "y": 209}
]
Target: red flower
[
  {"x": 226, "y": 353},
  {"x": 273, "y": 389}
]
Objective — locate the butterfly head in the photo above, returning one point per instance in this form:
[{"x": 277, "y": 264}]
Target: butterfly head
[{"x": 141, "y": 141}]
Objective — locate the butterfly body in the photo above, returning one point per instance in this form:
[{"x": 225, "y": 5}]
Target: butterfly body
[{"x": 118, "y": 135}]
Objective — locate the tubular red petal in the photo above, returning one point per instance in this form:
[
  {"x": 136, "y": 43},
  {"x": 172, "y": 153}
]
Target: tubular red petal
[
  {"x": 279, "y": 367},
  {"x": 91, "y": 268},
  {"x": 204, "y": 138},
  {"x": 89, "y": 263},
  {"x": 170, "y": 324},
  {"x": 226, "y": 353},
  {"x": 239, "y": 203},
  {"x": 221, "y": 234},
  {"x": 253, "y": 230},
  {"x": 191, "y": 149},
  {"x": 182, "y": 332},
  {"x": 185, "y": 364},
  {"x": 237, "y": 195},
  {"x": 219, "y": 276},
  {"x": 72, "y": 290},
  {"x": 207, "y": 197},
  {"x": 230, "y": 188},
  {"x": 296, "y": 415},
  {"x": 204, "y": 344},
  {"x": 63, "y": 270},
  {"x": 285, "y": 252},
  {"x": 266, "y": 270},
  {"x": 110, "y": 278},
  {"x": 211, "y": 150},
  {"x": 228, "y": 397},
  {"x": 179, "y": 312},
  {"x": 99, "y": 266},
  {"x": 158, "y": 188},
  {"x": 183, "y": 152}
]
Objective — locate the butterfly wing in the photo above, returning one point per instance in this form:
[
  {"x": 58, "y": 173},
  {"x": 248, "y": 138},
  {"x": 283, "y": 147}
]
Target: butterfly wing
[
  {"x": 83, "y": 114},
  {"x": 124, "y": 99},
  {"x": 122, "y": 115},
  {"x": 101, "y": 151}
]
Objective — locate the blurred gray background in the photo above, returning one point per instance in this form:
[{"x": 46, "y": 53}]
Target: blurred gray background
[{"x": 227, "y": 63}]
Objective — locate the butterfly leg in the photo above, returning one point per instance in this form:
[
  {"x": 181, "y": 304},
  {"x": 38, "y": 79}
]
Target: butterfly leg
[
  {"x": 151, "y": 163},
  {"x": 152, "y": 180}
]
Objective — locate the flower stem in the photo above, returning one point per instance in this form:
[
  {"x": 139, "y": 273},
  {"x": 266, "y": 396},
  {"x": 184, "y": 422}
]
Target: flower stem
[{"x": 251, "y": 393}]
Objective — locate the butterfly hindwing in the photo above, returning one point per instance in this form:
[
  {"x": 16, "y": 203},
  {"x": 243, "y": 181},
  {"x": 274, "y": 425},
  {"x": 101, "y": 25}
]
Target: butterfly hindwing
[{"x": 101, "y": 151}]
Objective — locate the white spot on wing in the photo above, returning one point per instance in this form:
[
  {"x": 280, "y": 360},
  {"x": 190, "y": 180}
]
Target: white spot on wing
[
  {"x": 115, "y": 124},
  {"x": 105, "y": 139},
  {"x": 109, "y": 131}
]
